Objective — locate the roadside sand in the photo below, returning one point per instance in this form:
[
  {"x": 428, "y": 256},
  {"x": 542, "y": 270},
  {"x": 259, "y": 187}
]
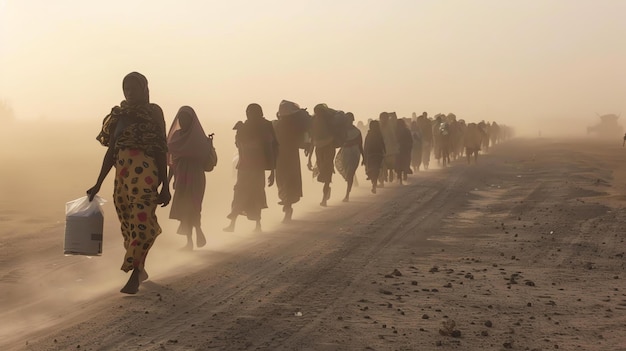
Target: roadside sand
[{"x": 523, "y": 251}]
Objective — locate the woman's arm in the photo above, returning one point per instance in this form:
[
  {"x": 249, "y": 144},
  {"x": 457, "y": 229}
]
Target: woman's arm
[
  {"x": 310, "y": 164},
  {"x": 164, "y": 196},
  {"x": 107, "y": 164}
]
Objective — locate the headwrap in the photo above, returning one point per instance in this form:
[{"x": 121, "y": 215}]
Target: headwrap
[
  {"x": 138, "y": 126},
  {"x": 189, "y": 143}
]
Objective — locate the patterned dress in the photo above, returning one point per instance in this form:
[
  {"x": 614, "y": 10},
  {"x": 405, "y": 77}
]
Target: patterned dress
[
  {"x": 135, "y": 199},
  {"x": 137, "y": 134}
]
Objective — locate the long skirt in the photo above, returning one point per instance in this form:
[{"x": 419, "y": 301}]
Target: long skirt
[
  {"x": 325, "y": 157},
  {"x": 416, "y": 154},
  {"x": 189, "y": 187},
  {"x": 347, "y": 161},
  {"x": 135, "y": 198},
  {"x": 403, "y": 161},
  {"x": 373, "y": 165},
  {"x": 249, "y": 194},
  {"x": 289, "y": 175}
]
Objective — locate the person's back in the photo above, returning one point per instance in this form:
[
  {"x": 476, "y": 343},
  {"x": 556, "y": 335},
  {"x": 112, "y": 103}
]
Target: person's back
[
  {"x": 388, "y": 129},
  {"x": 255, "y": 141}
]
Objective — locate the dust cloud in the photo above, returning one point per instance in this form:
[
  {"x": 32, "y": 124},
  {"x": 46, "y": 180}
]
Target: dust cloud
[{"x": 49, "y": 163}]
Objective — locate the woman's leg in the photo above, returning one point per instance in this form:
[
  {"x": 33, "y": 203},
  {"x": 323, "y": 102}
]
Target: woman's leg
[
  {"x": 132, "y": 286},
  {"x": 350, "y": 183},
  {"x": 288, "y": 213},
  {"x": 200, "y": 238},
  {"x": 231, "y": 226},
  {"x": 185, "y": 228},
  {"x": 326, "y": 194}
]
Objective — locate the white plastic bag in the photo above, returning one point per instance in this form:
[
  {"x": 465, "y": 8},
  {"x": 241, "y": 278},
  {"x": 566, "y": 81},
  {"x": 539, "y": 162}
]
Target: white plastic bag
[
  {"x": 83, "y": 207},
  {"x": 84, "y": 224}
]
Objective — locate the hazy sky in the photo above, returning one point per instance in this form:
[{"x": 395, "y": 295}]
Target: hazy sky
[{"x": 506, "y": 60}]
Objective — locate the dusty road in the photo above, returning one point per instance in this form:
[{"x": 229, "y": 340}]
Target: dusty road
[{"x": 523, "y": 251}]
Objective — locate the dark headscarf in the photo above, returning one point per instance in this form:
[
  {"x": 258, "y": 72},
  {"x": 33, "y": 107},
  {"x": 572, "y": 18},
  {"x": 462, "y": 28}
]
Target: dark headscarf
[
  {"x": 375, "y": 127},
  {"x": 188, "y": 143},
  {"x": 144, "y": 98},
  {"x": 139, "y": 126},
  {"x": 254, "y": 111},
  {"x": 374, "y": 142}
]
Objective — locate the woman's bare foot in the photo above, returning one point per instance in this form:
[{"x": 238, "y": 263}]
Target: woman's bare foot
[
  {"x": 200, "y": 238},
  {"x": 346, "y": 199},
  {"x": 288, "y": 213},
  {"x": 258, "y": 229},
  {"x": 132, "y": 286},
  {"x": 143, "y": 276}
]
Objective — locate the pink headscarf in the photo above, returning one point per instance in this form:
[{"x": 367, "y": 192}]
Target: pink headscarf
[{"x": 190, "y": 143}]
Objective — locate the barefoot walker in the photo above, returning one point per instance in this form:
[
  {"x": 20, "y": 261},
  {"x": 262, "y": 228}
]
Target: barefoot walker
[
  {"x": 258, "y": 149},
  {"x": 134, "y": 134},
  {"x": 189, "y": 149}
]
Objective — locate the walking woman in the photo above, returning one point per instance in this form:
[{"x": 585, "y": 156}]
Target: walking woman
[
  {"x": 323, "y": 147},
  {"x": 291, "y": 127},
  {"x": 405, "y": 147},
  {"x": 189, "y": 149},
  {"x": 416, "y": 153},
  {"x": 348, "y": 157},
  {"x": 258, "y": 149},
  {"x": 374, "y": 153},
  {"x": 134, "y": 134}
]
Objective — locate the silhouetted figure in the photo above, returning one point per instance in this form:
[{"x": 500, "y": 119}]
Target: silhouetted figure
[
  {"x": 188, "y": 150},
  {"x": 348, "y": 157},
  {"x": 134, "y": 134},
  {"x": 373, "y": 153},
  {"x": 425, "y": 127},
  {"x": 473, "y": 141},
  {"x": 258, "y": 149},
  {"x": 389, "y": 127},
  {"x": 291, "y": 128},
  {"x": 405, "y": 146},
  {"x": 362, "y": 127},
  {"x": 416, "y": 153},
  {"x": 324, "y": 148}
]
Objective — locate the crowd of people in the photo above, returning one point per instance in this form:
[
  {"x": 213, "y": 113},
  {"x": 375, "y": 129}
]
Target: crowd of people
[{"x": 141, "y": 152}]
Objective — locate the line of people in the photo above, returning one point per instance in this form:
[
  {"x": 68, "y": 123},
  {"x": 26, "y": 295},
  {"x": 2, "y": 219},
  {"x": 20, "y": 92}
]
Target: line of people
[{"x": 141, "y": 152}]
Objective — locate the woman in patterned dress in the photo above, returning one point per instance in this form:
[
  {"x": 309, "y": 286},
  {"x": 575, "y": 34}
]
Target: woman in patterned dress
[{"x": 134, "y": 134}]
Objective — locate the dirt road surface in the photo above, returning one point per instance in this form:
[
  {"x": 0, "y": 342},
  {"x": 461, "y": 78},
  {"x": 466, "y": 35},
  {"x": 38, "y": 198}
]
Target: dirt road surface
[{"x": 524, "y": 251}]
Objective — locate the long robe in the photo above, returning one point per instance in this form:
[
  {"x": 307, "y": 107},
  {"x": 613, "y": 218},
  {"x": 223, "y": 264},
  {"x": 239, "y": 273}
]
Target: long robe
[
  {"x": 188, "y": 151},
  {"x": 290, "y": 132},
  {"x": 389, "y": 133},
  {"x": 374, "y": 153},
  {"x": 258, "y": 148},
  {"x": 405, "y": 146},
  {"x": 322, "y": 136},
  {"x": 416, "y": 153}
]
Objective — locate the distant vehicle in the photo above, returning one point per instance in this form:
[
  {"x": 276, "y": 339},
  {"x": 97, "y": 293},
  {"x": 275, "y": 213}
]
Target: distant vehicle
[{"x": 607, "y": 128}]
